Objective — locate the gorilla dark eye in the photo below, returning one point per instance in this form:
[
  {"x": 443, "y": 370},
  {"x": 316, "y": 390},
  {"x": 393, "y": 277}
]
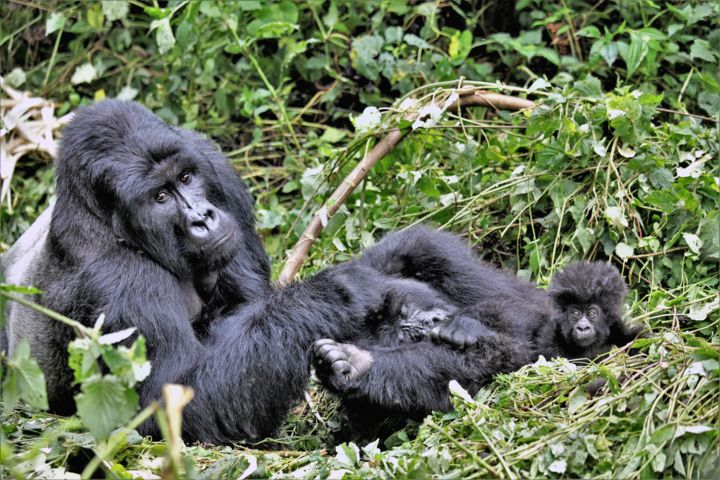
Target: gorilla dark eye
[
  {"x": 592, "y": 312},
  {"x": 162, "y": 196},
  {"x": 576, "y": 314},
  {"x": 185, "y": 177}
]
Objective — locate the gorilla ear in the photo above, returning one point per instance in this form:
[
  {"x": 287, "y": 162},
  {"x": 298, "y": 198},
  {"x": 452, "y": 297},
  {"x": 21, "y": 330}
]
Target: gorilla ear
[{"x": 119, "y": 231}]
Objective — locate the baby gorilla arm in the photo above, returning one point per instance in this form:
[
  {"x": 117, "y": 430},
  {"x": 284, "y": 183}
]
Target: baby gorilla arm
[{"x": 460, "y": 331}]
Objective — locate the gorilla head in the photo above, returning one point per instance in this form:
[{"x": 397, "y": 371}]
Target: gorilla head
[
  {"x": 155, "y": 187},
  {"x": 586, "y": 300}
]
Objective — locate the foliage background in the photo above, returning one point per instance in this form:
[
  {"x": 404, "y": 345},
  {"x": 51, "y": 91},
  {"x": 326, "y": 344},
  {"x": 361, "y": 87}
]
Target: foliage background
[{"x": 619, "y": 162}]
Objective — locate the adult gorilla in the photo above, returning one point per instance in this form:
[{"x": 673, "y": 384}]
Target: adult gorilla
[{"x": 154, "y": 229}]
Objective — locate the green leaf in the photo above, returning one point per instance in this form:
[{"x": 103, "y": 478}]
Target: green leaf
[
  {"x": 16, "y": 77},
  {"x": 54, "y": 22},
  {"x": 85, "y": 73},
  {"x": 662, "y": 435},
  {"x": 332, "y": 135},
  {"x": 95, "y": 17},
  {"x": 157, "y": 13},
  {"x": 24, "y": 380},
  {"x": 210, "y": 9},
  {"x": 577, "y": 399},
  {"x": 115, "y": 9},
  {"x": 274, "y": 21},
  {"x": 460, "y": 46},
  {"x": 249, "y": 5},
  {"x": 105, "y": 404},
  {"x": 590, "y": 31},
  {"x": 83, "y": 359},
  {"x": 609, "y": 53},
  {"x": 262, "y": 29},
  {"x": 163, "y": 34},
  {"x": 363, "y": 55},
  {"x": 590, "y": 86},
  {"x": 635, "y": 53},
  {"x": 701, "y": 49}
]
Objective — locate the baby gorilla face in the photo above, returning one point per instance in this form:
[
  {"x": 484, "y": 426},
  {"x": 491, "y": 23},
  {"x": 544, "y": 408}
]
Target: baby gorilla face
[
  {"x": 584, "y": 325},
  {"x": 414, "y": 324},
  {"x": 410, "y": 311},
  {"x": 583, "y": 330}
]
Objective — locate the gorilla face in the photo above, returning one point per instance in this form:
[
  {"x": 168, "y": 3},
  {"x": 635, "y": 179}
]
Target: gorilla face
[
  {"x": 167, "y": 213},
  {"x": 583, "y": 325}
]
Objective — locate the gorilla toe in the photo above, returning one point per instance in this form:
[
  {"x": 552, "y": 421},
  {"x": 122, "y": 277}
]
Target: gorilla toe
[{"x": 340, "y": 364}]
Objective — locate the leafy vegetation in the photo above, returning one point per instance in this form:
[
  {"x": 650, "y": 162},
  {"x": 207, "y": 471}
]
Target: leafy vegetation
[{"x": 619, "y": 161}]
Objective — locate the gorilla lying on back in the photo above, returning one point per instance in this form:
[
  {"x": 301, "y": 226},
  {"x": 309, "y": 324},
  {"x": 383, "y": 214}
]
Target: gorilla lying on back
[
  {"x": 153, "y": 228},
  {"x": 497, "y": 324}
]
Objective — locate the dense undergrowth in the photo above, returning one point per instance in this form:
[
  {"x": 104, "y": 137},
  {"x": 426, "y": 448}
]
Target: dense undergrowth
[{"x": 618, "y": 161}]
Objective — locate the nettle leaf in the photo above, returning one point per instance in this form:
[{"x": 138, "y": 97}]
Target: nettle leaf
[
  {"x": 701, "y": 49},
  {"x": 83, "y": 359},
  {"x": 85, "y": 73},
  {"x": 460, "y": 46},
  {"x": 609, "y": 53},
  {"x": 23, "y": 380},
  {"x": 105, "y": 404},
  {"x": 54, "y": 22},
  {"x": 115, "y": 9},
  {"x": 163, "y": 34},
  {"x": 274, "y": 21},
  {"x": 635, "y": 53},
  {"x": 364, "y": 54},
  {"x": 577, "y": 399},
  {"x": 623, "y": 250}
]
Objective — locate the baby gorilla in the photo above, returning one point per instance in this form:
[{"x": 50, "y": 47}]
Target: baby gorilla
[
  {"x": 582, "y": 317},
  {"x": 410, "y": 311}
]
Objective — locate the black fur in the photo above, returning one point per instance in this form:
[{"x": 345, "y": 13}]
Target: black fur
[
  {"x": 497, "y": 323},
  {"x": 187, "y": 270},
  {"x": 380, "y": 376}
]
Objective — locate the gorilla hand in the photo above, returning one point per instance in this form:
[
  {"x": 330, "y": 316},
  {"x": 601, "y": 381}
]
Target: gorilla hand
[
  {"x": 460, "y": 331},
  {"x": 339, "y": 364}
]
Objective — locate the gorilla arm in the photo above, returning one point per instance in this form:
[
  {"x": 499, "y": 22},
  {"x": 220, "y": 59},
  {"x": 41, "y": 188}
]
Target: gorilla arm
[{"x": 255, "y": 362}]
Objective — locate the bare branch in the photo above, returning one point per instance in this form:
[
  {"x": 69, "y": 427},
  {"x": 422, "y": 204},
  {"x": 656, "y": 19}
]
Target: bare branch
[{"x": 466, "y": 97}]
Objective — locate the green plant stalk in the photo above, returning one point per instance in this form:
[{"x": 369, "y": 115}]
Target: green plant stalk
[
  {"x": 281, "y": 105},
  {"x": 276, "y": 97},
  {"x": 51, "y": 64},
  {"x": 77, "y": 326},
  {"x": 113, "y": 442}
]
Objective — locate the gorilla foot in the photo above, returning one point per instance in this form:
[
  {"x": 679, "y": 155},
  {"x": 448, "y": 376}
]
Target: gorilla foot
[
  {"x": 460, "y": 331},
  {"x": 339, "y": 364}
]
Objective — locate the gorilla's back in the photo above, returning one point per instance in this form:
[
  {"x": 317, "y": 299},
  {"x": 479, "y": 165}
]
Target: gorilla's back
[{"x": 19, "y": 265}]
